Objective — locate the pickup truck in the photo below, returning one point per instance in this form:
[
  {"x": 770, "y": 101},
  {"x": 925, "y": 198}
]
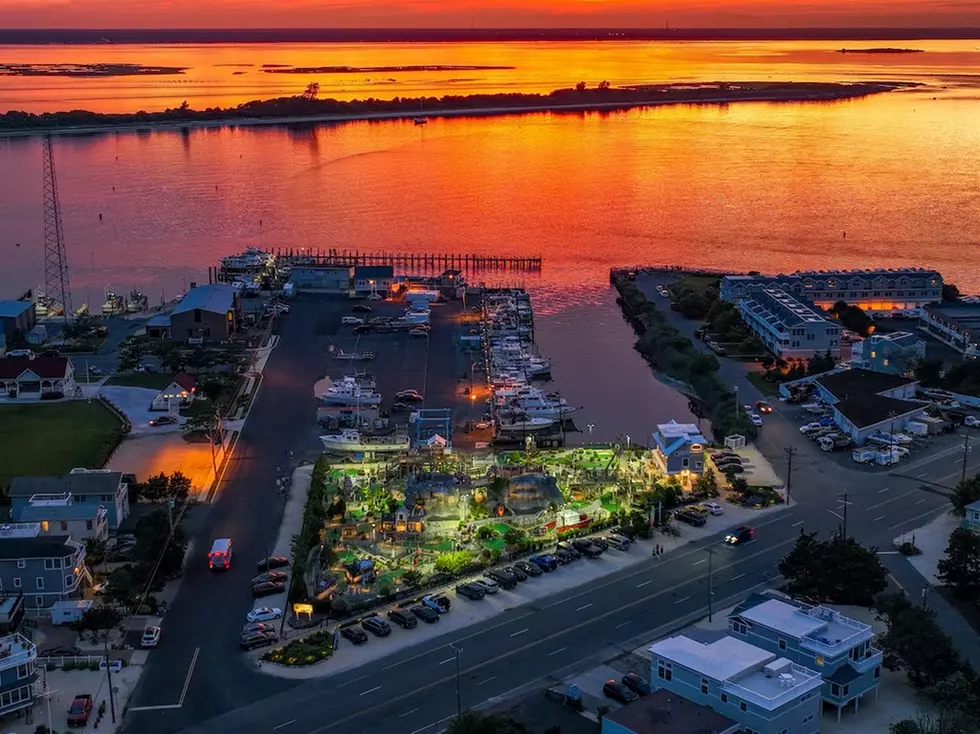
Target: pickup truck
[{"x": 81, "y": 708}]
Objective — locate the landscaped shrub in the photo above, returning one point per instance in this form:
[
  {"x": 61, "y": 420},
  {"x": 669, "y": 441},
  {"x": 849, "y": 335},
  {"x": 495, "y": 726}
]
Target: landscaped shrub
[{"x": 306, "y": 651}]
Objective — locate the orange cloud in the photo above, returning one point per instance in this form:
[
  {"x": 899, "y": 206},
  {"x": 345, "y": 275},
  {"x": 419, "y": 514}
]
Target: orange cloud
[{"x": 482, "y": 13}]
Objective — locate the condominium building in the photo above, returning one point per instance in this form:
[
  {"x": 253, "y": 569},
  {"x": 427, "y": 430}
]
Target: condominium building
[
  {"x": 18, "y": 674},
  {"x": 956, "y": 324},
  {"x": 871, "y": 290},
  {"x": 820, "y": 638},
  {"x": 896, "y": 353},
  {"x": 789, "y": 327},
  {"x": 765, "y": 693},
  {"x": 97, "y": 487},
  {"x": 44, "y": 568}
]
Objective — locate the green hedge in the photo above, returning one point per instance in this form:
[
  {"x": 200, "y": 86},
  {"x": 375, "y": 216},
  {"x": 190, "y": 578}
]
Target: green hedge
[
  {"x": 306, "y": 651},
  {"x": 314, "y": 519}
]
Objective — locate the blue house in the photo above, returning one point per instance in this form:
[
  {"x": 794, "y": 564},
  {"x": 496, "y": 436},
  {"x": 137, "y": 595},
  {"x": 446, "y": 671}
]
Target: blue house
[
  {"x": 94, "y": 487},
  {"x": 819, "y": 638},
  {"x": 370, "y": 279},
  {"x": 764, "y": 692},
  {"x": 679, "y": 449},
  {"x": 18, "y": 674},
  {"x": 972, "y": 519}
]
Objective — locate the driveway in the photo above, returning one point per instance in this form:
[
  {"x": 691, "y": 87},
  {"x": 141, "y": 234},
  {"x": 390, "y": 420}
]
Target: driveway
[{"x": 135, "y": 402}]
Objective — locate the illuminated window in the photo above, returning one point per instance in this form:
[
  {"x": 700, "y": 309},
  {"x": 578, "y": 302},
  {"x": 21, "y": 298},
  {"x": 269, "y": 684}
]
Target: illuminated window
[{"x": 44, "y": 525}]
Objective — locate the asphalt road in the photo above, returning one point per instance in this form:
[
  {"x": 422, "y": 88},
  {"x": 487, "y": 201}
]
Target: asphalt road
[{"x": 413, "y": 690}]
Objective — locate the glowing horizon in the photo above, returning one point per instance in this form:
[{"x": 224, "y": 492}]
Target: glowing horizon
[{"x": 248, "y": 14}]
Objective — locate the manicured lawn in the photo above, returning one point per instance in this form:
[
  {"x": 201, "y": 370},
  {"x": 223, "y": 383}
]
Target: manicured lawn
[
  {"x": 501, "y": 528},
  {"x": 54, "y": 438},
  {"x": 497, "y": 544},
  {"x": 763, "y": 385},
  {"x": 154, "y": 381},
  {"x": 443, "y": 547},
  {"x": 698, "y": 283}
]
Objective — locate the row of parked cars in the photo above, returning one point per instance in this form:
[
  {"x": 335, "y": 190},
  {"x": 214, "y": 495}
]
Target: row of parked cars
[
  {"x": 697, "y": 515},
  {"x": 428, "y": 609},
  {"x": 728, "y": 462},
  {"x": 507, "y": 577}
]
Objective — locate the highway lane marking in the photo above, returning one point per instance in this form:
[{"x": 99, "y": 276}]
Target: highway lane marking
[
  {"x": 893, "y": 499},
  {"x": 187, "y": 679},
  {"x": 363, "y": 677},
  {"x": 484, "y": 682},
  {"x": 447, "y": 660},
  {"x": 534, "y": 643},
  {"x": 371, "y": 690},
  {"x": 698, "y": 563},
  {"x": 886, "y": 489},
  {"x": 959, "y": 460},
  {"x": 585, "y": 607},
  {"x": 560, "y": 649},
  {"x": 519, "y": 632},
  {"x": 285, "y": 723},
  {"x": 736, "y": 578},
  {"x": 797, "y": 524},
  {"x": 911, "y": 520},
  {"x": 681, "y": 601},
  {"x": 920, "y": 501},
  {"x": 645, "y": 583},
  {"x": 618, "y": 626},
  {"x": 878, "y": 518},
  {"x": 923, "y": 474},
  {"x": 407, "y": 713},
  {"x": 447, "y": 718}
]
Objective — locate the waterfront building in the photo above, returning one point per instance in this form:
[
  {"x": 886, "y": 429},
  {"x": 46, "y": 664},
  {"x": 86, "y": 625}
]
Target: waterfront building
[
  {"x": 661, "y": 712},
  {"x": 45, "y": 568},
  {"x": 17, "y": 318},
  {"x": 94, "y": 487},
  {"x": 370, "y": 279},
  {"x": 971, "y": 518},
  {"x": 896, "y": 353},
  {"x": 764, "y": 692},
  {"x": 956, "y": 324},
  {"x": 678, "y": 449},
  {"x": 179, "y": 393},
  {"x": 58, "y": 514},
  {"x": 207, "y": 313},
  {"x": 817, "y": 637},
  {"x": 789, "y": 327},
  {"x": 871, "y": 290},
  {"x": 34, "y": 377},
  {"x": 322, "y": 278},
  {"x": 865, "y": 403},
  {"x": 18, "y": 674}
]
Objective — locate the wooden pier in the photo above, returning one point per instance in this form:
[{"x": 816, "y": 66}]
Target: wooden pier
[{"x": 411, "y": 262}]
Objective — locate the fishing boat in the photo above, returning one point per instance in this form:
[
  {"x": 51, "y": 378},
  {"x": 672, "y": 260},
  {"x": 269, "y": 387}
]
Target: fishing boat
[
  {"x": 348, "y": 392},
  {"x": 114, "y": 304},
  {"x": 351, "y": 440},
  {"x": 136, "y": 302}
]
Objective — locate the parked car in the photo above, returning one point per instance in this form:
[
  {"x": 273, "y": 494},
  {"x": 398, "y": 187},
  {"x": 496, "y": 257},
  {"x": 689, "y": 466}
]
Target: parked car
[
  {"x": 570, "y": 550},
  {"x": 362, "y": 329},
  {"x": 691, "y": 518},
  {"x": 355, "y": 634},
  {"x": 739, "y": 535},
  {"x": 562, "y": 557},
  {"x": 401, "y": 407},
  {"x": 440, "y": 603},
  {"x": 474, "y": 592},
  {"x": 377, "y": 626},
  {"x": 59, "y": 652},
  {"x": 546, "y": 563},
  {"x": 267, "y": 564},
  {"x": 81, "y": 709},
  {"x": 403, "y": 618},
  {"x": 151, "y": 637},
  {"x": 362, "y": 308},
  {"x": 264, "y": 614},
  {"x": 618, "y": 692},
  {"x": 763, "y": 407},
  {"x": 717, "y": 456},
  {"x": 489, "y": 585},
  {"x": 636, "y": 683},
  {"x": 270, "y": 576},
  {"x": 419, "y": 332},
  {"x": 262, "y": 638},
  {"x": 972, "y": 421},
  {"x": 587, "y": 548},
  {"x": 253, "y": 627},
  {"x": 427, "y": 615},
  {"x": 92, "y": 370},
  {"x": 531, "y": 569},
  {"x": 503, "y": 578},
  {"x": 756, "y": 419},
  {"x": 732, "y": 469},
  {"x": 747, "y": 408},
  {"x": 810, "y": 428},
  {"x": 268, "y": 588},
  {"x": 351, "y": 321},
  {"x": 517, "y": 573},
  {"x": 164, "y": 420},
  {"x": 601, "y": 542},
  {"x": 618, "y": 542},
  {"x": 713, "y": 507},
  {"x": 409, "y": 395}
]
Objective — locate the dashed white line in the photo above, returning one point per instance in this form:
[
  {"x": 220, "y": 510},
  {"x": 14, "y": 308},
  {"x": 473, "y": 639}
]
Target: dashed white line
[
  {"x": 645, "y": 583},
  {"x": 878, "y": 518},
  {"x": 920, "y": 501},
  {"x": 451, "y": 716},
  {"x": 447, "y": 660},
  {"x": 407, "y": 713},
  {"x": 797, "y": 524},
  {"x": 919, "y": 476},
  {"x": 619, "y": 626},
  {"x": 287, "y": 723},
  {"x": 736, "y": 578},
  {"x": 681, "y": 601},
  {"x": 703, "y": 560},
  {"x": 584, "y": 607},
  {"x": 560, "y": 649},
  {"x": 886, "y": 489},
  {"x": 371, "y": 690},
  {"x": 519, "y": 632},
  {"x": 484, "y": 682},
  {"x": 363, "y": 677},
  {"x": 427, "y": 726}
]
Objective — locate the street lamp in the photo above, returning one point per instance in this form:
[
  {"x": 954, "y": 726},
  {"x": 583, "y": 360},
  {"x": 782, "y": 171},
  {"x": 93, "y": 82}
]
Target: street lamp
[
  {"x": 628, "y": 439},
  {"x": 591, "y": 427},
  {"x": 459, "y": 704}
]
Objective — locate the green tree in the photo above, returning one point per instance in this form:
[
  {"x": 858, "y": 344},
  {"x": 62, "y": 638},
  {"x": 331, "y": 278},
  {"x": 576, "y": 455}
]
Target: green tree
[
  {"x": 98, "y": 620},
  {"x": 473, "y": 722},
  {"x": 820, "y": 363},
  {"x": 693, "y": 305},
  {"x": 412, "y": 578},
  {"x": 152, "y": 546},
  {"x": 514, "y": 536},
  {"x": 485, "y": 532},
  {"x": 704, "y": 364},
  {"x": 707, "y": 483},
  {"x": 965, "y": 493},
  {"x": 164, "y": 488},
  {"x": 929, "y": 371},
  {"x": 838, "y": 570},
  {"x": 454, "y": 562},
  {"x": 914, "y": 642},
  {"x": 960, "y": 567},
  {"x": 950, "y": 292}
]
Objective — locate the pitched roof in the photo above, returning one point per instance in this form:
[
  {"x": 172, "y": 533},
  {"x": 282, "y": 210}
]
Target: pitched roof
[
  {"x": 86, "y": 483},
  {"x": 41, "y": 546},
  {"x": 214, "y": 297},
  {"x": 51, "y": 368},
  {"x": 850, "y": 383},
  {"x": 869, "y": 410},
  {"x": 843, "y": 675},
  {"x": 185, "y": 381},
  {"x": 13, "y": 309}
]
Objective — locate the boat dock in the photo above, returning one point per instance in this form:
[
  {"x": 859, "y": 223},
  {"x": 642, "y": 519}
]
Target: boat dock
[{"x": 412, "y": 262}]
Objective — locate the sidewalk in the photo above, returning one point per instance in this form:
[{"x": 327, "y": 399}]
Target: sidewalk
[{"x": 465, "y": 614}]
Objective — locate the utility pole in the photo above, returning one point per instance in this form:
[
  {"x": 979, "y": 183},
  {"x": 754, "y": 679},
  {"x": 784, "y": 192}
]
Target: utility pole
[
  {"x": 711, "y": 593},
  {"x": 790, "y": 453},
  {"x": 459, "y": 700},
  {"x": 108, "y": 672},
  {"x": 966, "y": 450},
  {"x": 844, "y": 504}
]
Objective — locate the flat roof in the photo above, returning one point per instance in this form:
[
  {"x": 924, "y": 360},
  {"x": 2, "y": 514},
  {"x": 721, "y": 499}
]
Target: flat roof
[
  {"x": 783, "y": 617},
  {"x": 850, "y": 383},
  {"x": 673, "y": 429},
  {"x": 865, "y": 411},
  {"x": 722, "y": 660},
  {"x": 13, "y": 309},
  {"x": 663, "y": 712},
  {"x": 214, "y": 297}
]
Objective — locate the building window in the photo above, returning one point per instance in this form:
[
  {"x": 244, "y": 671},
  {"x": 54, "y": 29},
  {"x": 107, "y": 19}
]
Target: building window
[
  {"x": 818, "y": 660},
  {"x": 88, "y": 524},
  {"x": 877, "y": 672},
  {"x": 847, "y": 689},
  {"x": 724, "y": 698},
  {"x": 742, "y": 706},
  {"x": 17, "y": 582},
  {"x": 808, "y": 719},
  {"x": 664, "y": 670},
  {"x": 39, "y": 601},
  {"x": 39, "y": 581},
  {"x": 739, "y": 628},
  {"x": 23, "y": 671},
  {"x": 69, "y": 581},
  {"x": 704, "y": 685},
  {"x": 44, "y": 526},
  {"x": 21, "y": 563},
  {"x": 64, "y": 525},
  {"x": 782, "y": 644},
  {"x": 834, "y": 689}
]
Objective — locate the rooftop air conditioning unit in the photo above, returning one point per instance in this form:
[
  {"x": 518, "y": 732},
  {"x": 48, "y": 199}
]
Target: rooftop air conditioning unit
[{"x": 777, "y": 667}]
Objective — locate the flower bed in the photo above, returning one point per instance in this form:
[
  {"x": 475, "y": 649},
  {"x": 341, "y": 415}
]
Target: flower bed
[{"x": 300, "y": 653}]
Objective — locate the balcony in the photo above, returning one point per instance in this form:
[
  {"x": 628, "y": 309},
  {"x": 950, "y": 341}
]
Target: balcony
[
  {"x": 16, "y": 650},
  {"x": 869, "y": 661}
]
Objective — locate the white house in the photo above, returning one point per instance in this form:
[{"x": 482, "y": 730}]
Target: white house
[
  {"x": 24, "y": 377},
  {"x": 178, "y": 393}
]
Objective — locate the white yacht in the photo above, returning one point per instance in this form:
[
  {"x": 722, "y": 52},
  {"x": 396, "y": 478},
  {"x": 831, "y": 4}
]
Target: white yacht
[
  {"x": 354, "y": 441},
  {"x": 522, "y": 423},
  {"x": 348, "y": 392},
  {"x": 538, "y": 406}
]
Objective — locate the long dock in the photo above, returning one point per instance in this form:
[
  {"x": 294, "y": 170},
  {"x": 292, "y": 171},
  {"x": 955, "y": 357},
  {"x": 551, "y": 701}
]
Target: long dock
[{"x": 409, "y": 261}]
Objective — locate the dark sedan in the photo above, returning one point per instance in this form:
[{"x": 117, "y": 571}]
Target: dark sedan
[
  {"x": 636, "y": 683},
  {"x": 377, "y": 626},
  {"x": 354, "y": 634},
  {"x": 618, "y": 692},
  {"x": 270, "y": 576},
  {"x": 545, "y": 563},
  {"x": 530, "y": 569},
  {"x": 427, "y": 615},
  {"x": 516, "y": 573},
  {"x": 268, "y": 588},
  {"x": 267, "y": 564}
]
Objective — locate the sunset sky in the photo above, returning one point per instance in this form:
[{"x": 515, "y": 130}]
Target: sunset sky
[{"x": 484, "y": 13}]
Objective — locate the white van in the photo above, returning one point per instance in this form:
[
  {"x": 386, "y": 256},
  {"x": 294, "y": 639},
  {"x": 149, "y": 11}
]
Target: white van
[
  {"x": 219, "y": 559},
  {"x": 619, "y": 542}
]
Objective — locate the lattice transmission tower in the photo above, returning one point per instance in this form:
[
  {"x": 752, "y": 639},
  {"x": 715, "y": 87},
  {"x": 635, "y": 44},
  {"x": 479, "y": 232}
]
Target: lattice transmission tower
[{"x": 57, "y": 289}]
